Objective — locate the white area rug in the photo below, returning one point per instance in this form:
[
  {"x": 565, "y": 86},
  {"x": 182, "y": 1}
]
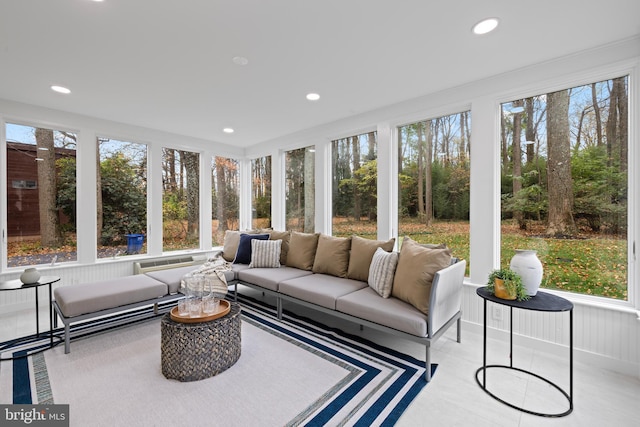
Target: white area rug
[{"x": 289, "y": 373}]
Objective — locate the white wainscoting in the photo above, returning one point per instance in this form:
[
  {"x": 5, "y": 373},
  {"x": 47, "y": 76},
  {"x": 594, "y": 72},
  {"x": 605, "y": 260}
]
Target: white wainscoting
[{"x": 606, "y": 336}]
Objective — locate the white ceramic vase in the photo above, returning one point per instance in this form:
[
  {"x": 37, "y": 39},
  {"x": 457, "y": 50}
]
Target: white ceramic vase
[
  {"x": 29, "y": 276},
  {"x": 528, "y": 266}
]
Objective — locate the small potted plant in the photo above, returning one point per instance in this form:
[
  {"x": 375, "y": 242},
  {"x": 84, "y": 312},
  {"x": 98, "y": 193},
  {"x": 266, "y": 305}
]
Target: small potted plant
[{"x": 507, "y": 284}]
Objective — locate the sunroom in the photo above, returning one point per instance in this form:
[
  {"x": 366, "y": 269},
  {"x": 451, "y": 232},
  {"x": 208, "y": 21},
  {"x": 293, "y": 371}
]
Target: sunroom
[{"x": 185, "y": 122}]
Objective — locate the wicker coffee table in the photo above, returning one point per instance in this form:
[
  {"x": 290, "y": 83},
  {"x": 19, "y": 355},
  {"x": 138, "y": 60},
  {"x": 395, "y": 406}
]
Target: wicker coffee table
[{"x": 195, "y": 351}]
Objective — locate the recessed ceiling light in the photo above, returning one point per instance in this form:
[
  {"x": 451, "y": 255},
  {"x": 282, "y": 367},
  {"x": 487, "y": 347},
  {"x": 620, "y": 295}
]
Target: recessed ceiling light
[
  {"x": 313, "y": 96},
  {"x": 240, "y": 60},
  {"x": 60, "y": 89},
  {"x": 485, "y": 26},
  {"x": 227, "y": 130}
]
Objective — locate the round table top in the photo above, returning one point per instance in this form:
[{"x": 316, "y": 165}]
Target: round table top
[
  {"x": 542, "y": 301},
  {"x": 11, "y": 285}
]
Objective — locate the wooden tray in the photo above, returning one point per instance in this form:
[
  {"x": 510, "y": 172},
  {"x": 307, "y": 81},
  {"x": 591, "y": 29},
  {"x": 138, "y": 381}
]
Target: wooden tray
[{"x": 223, "y": 310}]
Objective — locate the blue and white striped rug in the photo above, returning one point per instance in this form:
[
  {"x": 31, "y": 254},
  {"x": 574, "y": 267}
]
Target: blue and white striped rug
[{"x": 342, "y": 380}]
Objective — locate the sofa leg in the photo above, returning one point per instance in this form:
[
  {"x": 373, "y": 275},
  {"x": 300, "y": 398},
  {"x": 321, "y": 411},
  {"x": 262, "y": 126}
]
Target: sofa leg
[
  {"x": 427, "y": 373},
  {"x": 279, "y": 308},
  {"x": 459, "y": 329},
  {"x": 67, "y": 344}
]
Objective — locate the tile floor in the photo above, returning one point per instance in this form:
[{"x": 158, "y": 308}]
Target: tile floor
[{"x": 453, "y": 398}]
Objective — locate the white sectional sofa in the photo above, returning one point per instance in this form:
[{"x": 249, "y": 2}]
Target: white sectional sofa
[{"x": 414, "y": 293}]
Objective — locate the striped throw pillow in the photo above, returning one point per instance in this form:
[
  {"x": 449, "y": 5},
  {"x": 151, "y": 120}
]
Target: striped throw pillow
[
  {"x": 265, "y": 253},
  {"x": 381, "y": 271}
]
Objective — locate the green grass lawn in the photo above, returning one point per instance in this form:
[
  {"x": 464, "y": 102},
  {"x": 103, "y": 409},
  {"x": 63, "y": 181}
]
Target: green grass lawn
[{"x": 592, "y": 264}]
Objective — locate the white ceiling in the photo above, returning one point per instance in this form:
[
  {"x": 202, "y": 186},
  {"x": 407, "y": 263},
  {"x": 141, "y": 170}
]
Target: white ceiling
[{"x": 167, "y": 64}]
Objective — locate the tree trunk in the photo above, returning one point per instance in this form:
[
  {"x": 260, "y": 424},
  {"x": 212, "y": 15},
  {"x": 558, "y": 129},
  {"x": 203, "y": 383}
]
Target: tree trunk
[
  {"x": 560, "y": 222},
  {"x": 309, "y": 191},
  {"x": 192, "y": 168},
  {"x": 221, "y": 196},
  {"x": 428, "y": 166},
  {"x": 357, "y": 206},
  {"x": 50, "y": 235},
  {"x": 596, "y": 111},
  {"x": 422, "y": 157},
  {"x": 530, "y": 131},
  {"x": 612, "y": 122},
  {"x": 371, "y": 141},
  {"x": 517, "y": 163}
]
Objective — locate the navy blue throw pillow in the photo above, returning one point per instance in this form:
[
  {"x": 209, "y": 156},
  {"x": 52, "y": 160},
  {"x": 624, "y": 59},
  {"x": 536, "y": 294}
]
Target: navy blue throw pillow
[{"x": 243, "y": 255}]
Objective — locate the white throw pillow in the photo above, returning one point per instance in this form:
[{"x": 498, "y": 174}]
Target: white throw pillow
[
  {"x": 265, "y": 253},
  {"x": 381, "y": 271}
]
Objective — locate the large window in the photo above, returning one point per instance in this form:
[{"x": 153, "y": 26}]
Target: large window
[
  {"x": 300, "y": 189},
  {"x": 564, "y": 185},
  {"x": 355, "y": 186},
  {"x": 180, "y": 199},
  {"x": 41, "y": 195},
  {"x": 121, "y": 198},
  {"x": 225, "y": 196},
  {"x": 433, "y": 173},
  {"x": 261, "y": 192}
]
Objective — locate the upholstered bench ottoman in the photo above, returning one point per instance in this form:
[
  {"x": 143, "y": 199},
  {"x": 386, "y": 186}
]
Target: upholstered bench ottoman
[{"x": 76, "y": 303}]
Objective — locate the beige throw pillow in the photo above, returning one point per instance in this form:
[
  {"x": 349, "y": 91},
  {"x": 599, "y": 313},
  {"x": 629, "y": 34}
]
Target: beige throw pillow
[
  {"x": 302, "y": 250},
  {"x": 332, "y": 255},
  {"x": 362, "y": 251},
  {"x": 285, "y": 236},
  {"x": 416, "y": 267},
  {"x": 230, "y": 245}
]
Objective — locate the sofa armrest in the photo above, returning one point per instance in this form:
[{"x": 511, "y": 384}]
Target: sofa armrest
[{"x": 446, "y": 296}]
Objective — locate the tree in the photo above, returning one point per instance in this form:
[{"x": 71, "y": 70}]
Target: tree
[
  {"x": 192, "y": 168},
  {"x": 517, "y": 161},
  {"x": 50, "y": 234},
  {"x": 560, "y": 188},
  {"x": 309, "y": 191}
]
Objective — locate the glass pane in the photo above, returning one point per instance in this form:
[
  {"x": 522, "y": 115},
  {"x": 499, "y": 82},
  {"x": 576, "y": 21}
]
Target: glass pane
[
  {"x": 122, "y": 198},
  {"x": 225, "y": 196},
  {"x": 181, "y": 199},
  {"x": 300, "y": 189},
  {"x": 433, "y": 174},
  {"x": 261, "y": 192},
  {"x": 41, "y": 196},
  {"x": 564, "y": 185},
  {"x": 355, "y": 186}
]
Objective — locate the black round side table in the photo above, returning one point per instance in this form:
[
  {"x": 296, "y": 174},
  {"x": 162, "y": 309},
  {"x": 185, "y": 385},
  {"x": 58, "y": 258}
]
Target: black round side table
[
  {"x": 542, "y": 301},
  {"x": 14, "y": 285}
]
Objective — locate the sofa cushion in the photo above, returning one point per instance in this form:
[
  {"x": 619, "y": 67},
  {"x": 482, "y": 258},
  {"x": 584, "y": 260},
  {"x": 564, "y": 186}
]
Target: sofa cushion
[
  {"x": 172, "y": 276},
  {"x": 381, "y": 271},
  {"x": 265, "y": 253},
  {"x": 416, "y": 267},
  {"x": 75, "y": 300},
  {"x": 243, "y": 256},
  {"x": 332, "y": 255},
  {"x": 269, "y": 278},
  {"x": 284, "y": 236},
  {"x": 302, "y": 250},
  {"x": 391, "y": 312},
  {"x": 362, "y": 251},
  {"x": 321, "y": 289}
]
